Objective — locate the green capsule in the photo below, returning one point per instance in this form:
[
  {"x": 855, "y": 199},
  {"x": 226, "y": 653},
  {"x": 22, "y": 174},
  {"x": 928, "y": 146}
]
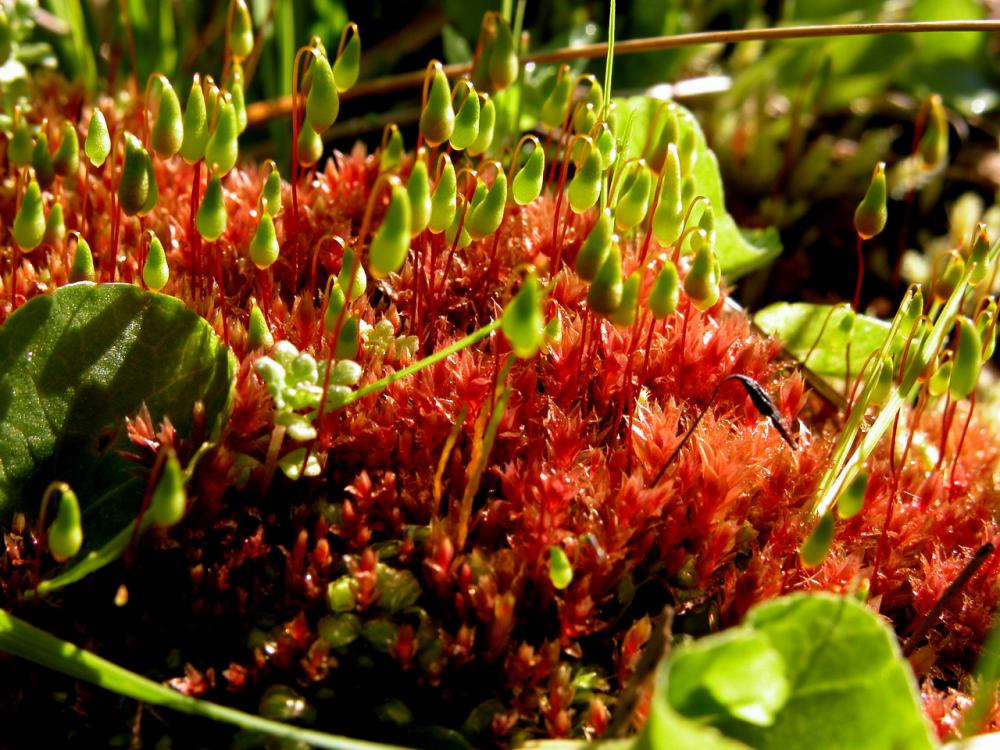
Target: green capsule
[
  {"x": 669, "y": 134},
  {"x": 418, "y": 188},
  {"x": 817, "y": 544},
  {"x": 6, "y": 37},
  {"x": 334, "y": 304},
  {"x": 595, "y": 248},
  {"x": 914, "y": 308},
  {"x": 270, "y": 194},
  {"x": 22, "y": 146},
  {"x": 83, "y": 263},
  {"x": 634, "y": 202},
  {"x": 940, "y": 378},
  {"x": 29, "y": 222},
  {"x": 264, "y": 247},
  {"x": 393, "y": 153},
  {"x": 707, "y": 223},
  {"x": 259, "y": 336},
  {"x": 465, "y": 239},
  {"x": 322, "y": 102},
  {"x": 605, "y": 293},
  {"x": 870, "y": 215},
  {"x": 487, "y": 123},
  {"x": 310, "y": 147},
  {"x": 65, "y": 534},
  {"x": 156, "y": 272},
  {"x": 687, "y": 152},
  {"x": 987, "y": 332},
  {"x": 486, "y": 216},
  {"x": 883, "y": 382},
  {"x": 212, "y": 94},
  {"x": 348, "y": 62},
  {"x": 669, "y": 214},
  {"x": 236, "y": 93},
  {"x": 153, "y": 196},
  {"x": 702, "y": 282},
  {"x": 194, "y": 125},
  {"x": 933, "y": 145},
  {"x": 555, "y": 105},
  {"x": 527, "y": 183},
  {"x": 66, "y": 160},
  {"x": 852, "y": 498},
  {"x": 341, "y": 594},
  {"x": 360, "y": 283},
  {"x": 167, "y": 134},
  {"x": 443, "y": 199},
  {"x": 605, "y": 142},
  {"x": 169, "y": 500},
  {"x": 41, "y": 161},
  {"x": 945, "y": 283},
  {"x": 503, "y": 57},
  {"x": 391, "y": 242},
  {"x": 241, "y": 31},
  {"x": 968, "y": 360},
  {"x": 628, "y": 310},
  {"x": 665, "y": 294},
  {"x": 222, "y": 148},
  {"x": 584, "y": 118},
  {"x": 55, "y": 227},
  {"x": 349, "y": 340},
  {"x": 466, "y": 128},
  {"x": 560, "y": 569},
  {"x": 979, "y": 254},
  {"x": 211, "y": 218},
  {"x": 97, "y": 146},
  {"x": 437, "y": 121},
  {"x": 522, "y": 322},
  {"x": 585, "y": 187}
]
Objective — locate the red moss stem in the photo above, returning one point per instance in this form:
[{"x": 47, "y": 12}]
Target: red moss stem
[{"x": 961, "y": 443}]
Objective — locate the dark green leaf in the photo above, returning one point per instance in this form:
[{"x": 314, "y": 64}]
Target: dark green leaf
[{"x": 73, "y": 365}]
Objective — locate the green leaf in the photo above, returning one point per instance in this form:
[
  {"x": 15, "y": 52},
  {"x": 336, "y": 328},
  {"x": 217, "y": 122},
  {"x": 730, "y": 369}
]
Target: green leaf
[
  {"x": 799, "y": 324},
  {"x": 738, "y": 253},
  {"x": 73, "y": 365}
]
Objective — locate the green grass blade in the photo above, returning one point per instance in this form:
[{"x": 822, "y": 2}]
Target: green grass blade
[{"x": 22, "y": 639}]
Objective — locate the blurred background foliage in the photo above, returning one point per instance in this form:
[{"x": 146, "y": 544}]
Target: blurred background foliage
[{"x": 796, "y": 125}]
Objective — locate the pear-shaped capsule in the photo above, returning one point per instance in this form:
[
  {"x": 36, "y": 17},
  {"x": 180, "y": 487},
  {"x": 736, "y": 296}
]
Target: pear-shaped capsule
[
  {"x": 334, "y": 304},
  {"x": 938, "y": 382},
  {"x": 310, "y": 147},
  {"x": 450, "y": 234},
  {"x": 870, "y": 215},
  {"x": 443, "y": 199},
  {"x": 169, "y": 500},
  {"x": 585, "y": 187},
  {"x": 527, "y": 183},
  {"x": 665, "y": 293},
  {"x": 557, "y": 102},
  {"x": 702, "y": 282},
  {"x": 238, "y": 97},
  {"x": 466, "y": 122},
  {"x": 222, "y": 148},
  {"x": 522, "y": 322},
  {"x": 241, "y": 31},
  {"x": 349, "y": 340},
  {"x": 584, "y": 119},
  {"x": 259, "y": 336},
  {"x": 29, "y": 222},
  {"x": 22, "y": 145},
  {"x": 817, "y": 544},
  {"x": 933, "y": 145},
  {"x": 605, "y": 293},
  {"x": 979, "y": 254},
  {"x": 852, "y": 498},
  {"x": 605, "y": 142},
  {"x": 194, "y": 125},
  {"x": 323, "y": 102},
  {"x": 393, "y": 153},
  {"x": 65, "y": 534},
  {"x": 418, "y": 188},
  {"x": 595, "y": 248},
  {"x": 485, "y": 216},
  {"x": 391, "y": 242},
  {"x": 156, "y": 272},
  {"x": 503, "y": 57},
  {"x": 211, "y": 218},
  {"x": 437, "y": 120},
  {"x": 687, "y": 152},
  {"x": 55, "y": 226},
  {"x": 945, "y": 283},
  {"x": 167, "y": 134},
  {"x": 968, "y": 360},
  {"x": 986, "y": 325},
  {"x": 560, "y": 569},
  {"x": 352, "y": 279},
  {"x": 669, "y": 134},
  {"x": 348, "y": 62},
  {"x": 270, "y": 194},
  {"x": 487, "y": 123},
  {"x": 634, "y": 201},
  {"x": 669, "y": 213},
  {"x": 66, "y": 160},
  {"x": 883, "y": 381},
  {"x": 264, "y": 248},
  {"x": 83, "y": 262},
  {"x": 153, "y": 196},
  {"x": 41, "y": 161},
  {"x": 628, "y": 309}
]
